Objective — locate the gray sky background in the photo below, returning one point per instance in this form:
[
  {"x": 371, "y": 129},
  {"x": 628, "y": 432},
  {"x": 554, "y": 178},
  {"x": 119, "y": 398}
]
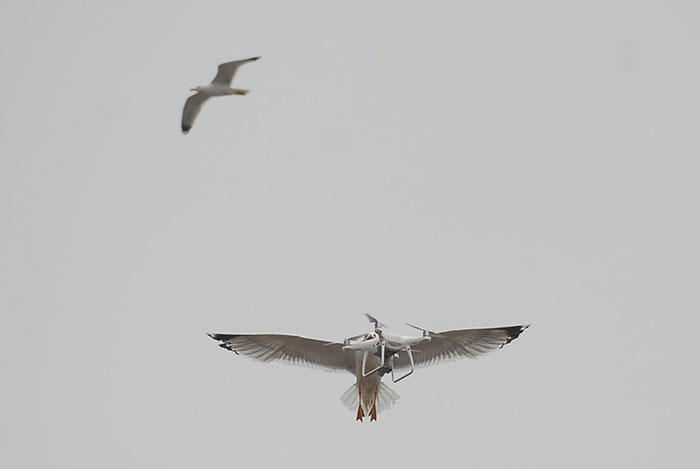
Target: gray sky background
[{"x": 451, "y": 164}]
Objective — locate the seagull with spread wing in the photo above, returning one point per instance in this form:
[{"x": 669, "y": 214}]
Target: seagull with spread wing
[
  {"x": 220, "y": 86},
  {"x": 368, "y": 394}
]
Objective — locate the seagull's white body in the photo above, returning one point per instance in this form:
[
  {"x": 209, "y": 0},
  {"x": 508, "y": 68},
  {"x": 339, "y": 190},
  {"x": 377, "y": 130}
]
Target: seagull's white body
[
  {"x": 220, "y": 86},
  {"x": 368, "y": 395},
  {"x": 214, "y": 89}
]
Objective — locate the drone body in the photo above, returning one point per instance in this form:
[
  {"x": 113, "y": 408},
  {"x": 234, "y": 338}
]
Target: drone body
[{"x": 371, "y": 356}]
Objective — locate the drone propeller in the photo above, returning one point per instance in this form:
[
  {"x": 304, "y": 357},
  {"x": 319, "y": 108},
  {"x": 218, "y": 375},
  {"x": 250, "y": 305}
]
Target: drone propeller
[
  {"x": 426, "y": 332},
  {"x": 377, "y": 324},
  {"x": 346, "y": 341}
]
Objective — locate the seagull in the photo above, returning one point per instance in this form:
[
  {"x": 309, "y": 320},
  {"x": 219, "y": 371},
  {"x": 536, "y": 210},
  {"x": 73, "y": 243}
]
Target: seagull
[
  {"x": 368, "y": 394},
  {"x": 220, "y": 86}
]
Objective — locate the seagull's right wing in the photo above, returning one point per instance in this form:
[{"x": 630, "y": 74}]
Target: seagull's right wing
[
  {"x": 192, "y": 107},
  {"x": 464, "y": 343},
  {"x": 224, "y": 76},
  {"x": 292, "y": 349}
]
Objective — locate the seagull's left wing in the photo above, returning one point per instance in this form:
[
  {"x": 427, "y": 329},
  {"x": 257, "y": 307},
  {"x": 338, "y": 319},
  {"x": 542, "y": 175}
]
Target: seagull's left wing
[
  {"x": 192, "y": 107},
  {"x": 292, "y": 349},
  {"x": 224, "y": 76},
  {"x": 463, "y": 343}
]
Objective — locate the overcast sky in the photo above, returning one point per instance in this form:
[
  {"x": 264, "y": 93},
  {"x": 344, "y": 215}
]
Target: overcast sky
[{"x": 449, "y": 164}]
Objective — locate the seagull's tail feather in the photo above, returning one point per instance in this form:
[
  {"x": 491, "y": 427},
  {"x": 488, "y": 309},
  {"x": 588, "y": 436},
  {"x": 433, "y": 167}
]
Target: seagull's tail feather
[
  {"x": 351, "y": 397},
  {"x": 385, "y": 398}
]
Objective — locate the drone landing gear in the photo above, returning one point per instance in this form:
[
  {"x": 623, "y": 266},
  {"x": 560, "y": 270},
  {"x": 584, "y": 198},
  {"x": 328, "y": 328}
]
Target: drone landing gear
[
  {"x": 382, "y": 368},
  {"x": 366, "y": 353},
  {"x": 410, "y": 360}
]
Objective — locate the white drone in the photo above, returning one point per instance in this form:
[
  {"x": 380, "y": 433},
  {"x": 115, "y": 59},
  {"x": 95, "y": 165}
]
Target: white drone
[{"x": 380, "y": 342}]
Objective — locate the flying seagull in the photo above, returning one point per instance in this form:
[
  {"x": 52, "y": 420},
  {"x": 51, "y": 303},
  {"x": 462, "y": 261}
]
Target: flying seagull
[
  {"x": 368, "y": 394},
  {"x": 220, "y": 86}
]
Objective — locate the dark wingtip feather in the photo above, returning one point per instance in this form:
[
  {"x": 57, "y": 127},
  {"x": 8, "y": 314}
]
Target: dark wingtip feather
[
  {"x": 220, "y": 337},
  {"x": 228, "y": 346},
  {"x": 250, "y": 59},
  {"x": 223, "y": 338},
  {"x": 513, "y": 333}
]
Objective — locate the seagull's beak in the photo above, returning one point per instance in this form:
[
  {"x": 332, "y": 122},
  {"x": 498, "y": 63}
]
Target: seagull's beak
[{"x": 193, "y": 89}]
